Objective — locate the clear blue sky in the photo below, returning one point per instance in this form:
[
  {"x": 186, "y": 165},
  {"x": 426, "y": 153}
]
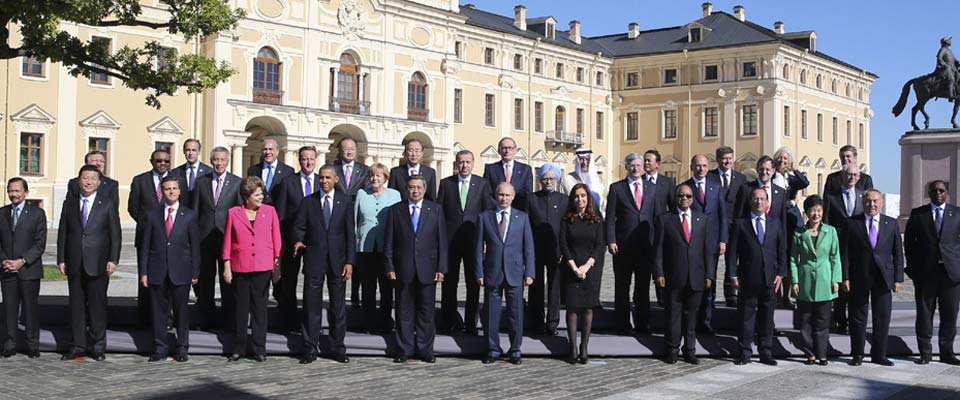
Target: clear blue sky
[{"x": 893, "y": 39}]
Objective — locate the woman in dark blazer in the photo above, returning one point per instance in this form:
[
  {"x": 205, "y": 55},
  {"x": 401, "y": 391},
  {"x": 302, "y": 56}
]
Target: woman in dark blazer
[
  {"x": 251, "y": 250},
  {"x": 582, "y": 247},
  {"x": 815, "y": 271}
]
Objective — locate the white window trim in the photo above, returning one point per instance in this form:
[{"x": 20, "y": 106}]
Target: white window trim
[
  {"x": 743, "y": 124},
  {"x": 602, "y": 125},
  {"x": 543, "y": 64},
  {"x": 800, "y": 134},
  {"x": 626, "y": 126},
  {"x": 663, "y": 75},
  {"x": 46, "y": 72},
  {"x": 563, "y": 70},
  {"x": 663, "y": 124},
  {"x": 523, "y": 120},
  {"x": 454, "y": 113},
  {"x": 626, "y": 79},
  {"x": 582, "y": 72},
  {"x": 113, "y": 46},
  {"x": 818, "y": 122},
  {"x": 494, "y": 109},
  {"x": 704, "y": 77},
  {"x": 523, "y": 62},
  {"x": 742, "y": 70},
  {"x": 703, "y": 123},
  {"x": 788, "y": 125},
  {"x": 24, "y": 122},
  {"x": 533, "y": 118}
]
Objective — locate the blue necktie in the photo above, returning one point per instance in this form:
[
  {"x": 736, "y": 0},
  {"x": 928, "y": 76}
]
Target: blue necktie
[
  {"x": 415, "y": 217},
  {"x": 269, "y": 176},
  {"x": 190, "y": 179},
  {"x": 760, "y": 231},
  {"x": 85, "y": 212},
  {"x": 327, "y": 211}
]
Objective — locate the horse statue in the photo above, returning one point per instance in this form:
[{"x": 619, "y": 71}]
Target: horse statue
[{"x": 933, "y": 85}]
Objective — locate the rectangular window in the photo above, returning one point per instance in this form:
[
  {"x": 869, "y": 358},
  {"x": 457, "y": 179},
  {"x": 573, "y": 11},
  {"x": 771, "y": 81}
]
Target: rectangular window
[
  {"x": 599, "y": 125},
  {"x": 489, "y": 107},
  {"x": 750, "y": 120},
  {"x": 518, "y": 114},
  {"x": 551, "y": 31},
  {"x": 849, "y": 132},
  {"x": 711, "y": 122},
  {"x": 32, "y": 67},
  {"x": 458, "y": 105},
  {"x": 820, "y": 183},
  {"x": 31, "y": 149},
  {"x": 836, "y": 131},
  {"x": 803, "y": 124},
  {"x": 100, "y": 77},
  {"x": 669, "y": 76},
  {"x": 101, "y": 145},
  {"x": 863, "y": 138},
  {"x": 518, "y": 62},
  {"x": 538, "y": 66},
  {"x": 488, "y": 56},
  {"x": 633, "y": 79},
  {"x": 750, "y": 69},
  {"x": 580, "y": 74},
  {"x": 35, "y": 202},
  {"x": 669, "y": 124},
  {"x": 694, "y": 35},
  {"x": 711, "y": 73},
  {"x": 819, "y": 127},
  {"x": 559, "y": 72},
  {"x": 786, "y": 120},
  {"x": 633, "y": 125},
  {"x": 164, "y": 146},
  {"x": 458, "y": 49},
  {"x": 580, "y": 121},
  {"x": 599, "y": 81},
  {"x": 538, "y": 116},
  {"x": 164, "y": 56}
]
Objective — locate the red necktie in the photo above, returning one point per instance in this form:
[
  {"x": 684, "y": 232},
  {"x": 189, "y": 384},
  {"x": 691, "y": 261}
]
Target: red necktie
[
  {"x": 686, "y": 227},
  {"x": 637, "y": 196},
  {"x": 703, "y": 198},
  {"x": 169, "y": 220}
]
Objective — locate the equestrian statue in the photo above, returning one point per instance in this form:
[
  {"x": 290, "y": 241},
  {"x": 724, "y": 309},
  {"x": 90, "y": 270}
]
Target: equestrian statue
[{"x": 941, "y": 83}]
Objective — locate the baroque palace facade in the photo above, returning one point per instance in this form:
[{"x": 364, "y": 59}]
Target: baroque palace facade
[{"x": 310, "y": 72}]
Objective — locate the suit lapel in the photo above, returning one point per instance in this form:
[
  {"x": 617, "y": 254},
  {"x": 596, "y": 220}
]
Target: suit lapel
[
  {"x": 471, "y": 193},
  {"x": 94, "y": 207},
  {"x": 7, "y": 219},
  {"x": 628, "y": 192}
]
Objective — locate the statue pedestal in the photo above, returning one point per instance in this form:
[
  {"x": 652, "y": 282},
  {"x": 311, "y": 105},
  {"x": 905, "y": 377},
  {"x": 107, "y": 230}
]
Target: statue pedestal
[{"x": 925, "y": 156}]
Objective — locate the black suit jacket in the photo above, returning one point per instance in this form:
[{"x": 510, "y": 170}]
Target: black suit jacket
[
  {"x": 282, "y": 172},
  {"x": 416, "y": 255},
  {"x": 714, "y": 207},
  {"x": 359, "y": 178},
  {"x": 680, "y": 262},
  {"x": 288, "y": 198},
  {"x": 521, "y": 178},
  {"x": 779, "y": 203},
  {"x": 143, "y": 200},
  {"x": 861, "y": 262},
  {"x": 754, "y": 265},
  {"x": 546, "y": 209},
  {"x": 834, "y": 183},
  {"x": 110, "y": 188},
  {"x": 177, "y": 255},
  {"x": 88, "y": 248},
  {"x": 461, "y": 223},
  {"x": 925, "y": 247},
  {"x": 835, "y": 214},
  {"x": 186, "y": 195},
  {"x": 328, "y": 248},
  {"x": 737, "y": 179},
  {"x": 398, "y": 181},
  {"x": 212, "y": 215},
  {"x": 27, "y": 241},
  {"x": 632, "y": 229}
]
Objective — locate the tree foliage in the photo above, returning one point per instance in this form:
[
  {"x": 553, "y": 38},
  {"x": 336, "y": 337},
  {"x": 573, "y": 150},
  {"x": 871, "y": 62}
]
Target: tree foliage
[{"x": 41, "y": 26}]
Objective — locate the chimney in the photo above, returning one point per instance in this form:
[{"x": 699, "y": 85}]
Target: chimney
[
  {"x": 633, "y": 30},
  {"x": 738, "y": 12},
  {"x": 707, "y": 9},
  {"x": 520, "y": 17},
  {"x": 778, "y": 27},
  {"x": 574, "y": 33}
]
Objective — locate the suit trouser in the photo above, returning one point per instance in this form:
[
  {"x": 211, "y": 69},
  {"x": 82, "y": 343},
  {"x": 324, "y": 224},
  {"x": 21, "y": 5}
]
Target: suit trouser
[
  {"x": 708, "y": 300},
  {"x": 21, "y": 294},
  {"x": 492, "y": 305},
  {"x": 937, "y": 289},
  {"x": 166, "y": 295},
  {"x": 681, "y": 309},
  {"x": 756, "y": 307},
  {"x": 88, "y": 305},
  {"x": 546, "y": 280},
  {"x": 625, "y": 268},
  {"x": 416, "y": 306},
  {"x": 729, "y": 293},
  {"x": 881, "y": 300},
  {"x": 252, "y": 289},
  {"x": 313, "y": 311},
  {"x": 285, "y": 292},
  {"x": 371, "y": 272},
  {"x": 144, "y": 306},
  {"x": 815, "y": 328},
  {"x": 211, "y": 270},
  {"x": 450, "y": 285}
]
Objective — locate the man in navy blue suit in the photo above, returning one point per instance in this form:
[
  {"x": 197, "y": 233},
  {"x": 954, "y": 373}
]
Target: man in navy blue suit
[
  {"x": 708, "y": 199},
  {"x": 169, "y": 264},
  {"x": 756, "y": 265},
  {"x": 516, "y": 173},
  {"x": 507, "y": 266}
]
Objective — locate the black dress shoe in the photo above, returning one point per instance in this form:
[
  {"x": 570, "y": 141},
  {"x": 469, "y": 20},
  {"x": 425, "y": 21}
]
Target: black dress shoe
[
  {"x": 489, "y": 360},
  {"x": 743, "y": 360},
  {"x": 341, "y": 358},
  {"x": 856, "y": 361},
  {"x": 809, "y": 361},
  {"x": 768, "y": 361},
  {"x": 949, "y": 359},
  {"x": 99, "y": 357},
  {"x": 691, "y": 358},
  {"x": 72, "y": 355},
  {"x": 181, "y": 357},
  {"x": 156, "y": 357},
  {"x": 671, "y": 358},
  {"x": 260, "y": 357},
  {"x": 401, "y": 359},
  {"x": 823, "y": 363},
  {"x": 8, "y": 353},
  {"x": 572, "y": 360},
  {"x": 584, "y": 359},
  {"x": 233, "y": 357},
  {"x": 308, "y": 358},
  {"x": 515, "y": 360},
  {"x": 551, "y": 332},
  {"x": 430, "y": 359},
  {"x": 925, "y": 359},
  {"x": 882, "y": 361},
  {"x": 33, "y": 354}
]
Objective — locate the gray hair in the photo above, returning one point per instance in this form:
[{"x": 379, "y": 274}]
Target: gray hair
[
  {"x": 219, "y": 149},
  {"x": 550, "y": 167},
  {"x": 783, "y": 150},
  {"x": 851, "y": 168},
  {"x": 630, "y": 157}
]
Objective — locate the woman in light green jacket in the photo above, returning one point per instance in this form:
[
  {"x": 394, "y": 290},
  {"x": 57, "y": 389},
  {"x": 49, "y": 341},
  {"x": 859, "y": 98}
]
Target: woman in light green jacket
[{"x": 816, "y": 272}]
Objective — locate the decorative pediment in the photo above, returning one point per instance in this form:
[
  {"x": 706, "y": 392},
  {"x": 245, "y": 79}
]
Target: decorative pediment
[
  {"x": 506, "y": 81},
  {"x": 165, "y": 125},
  {"x": 600, "y": 162},
  {"x": 821, "y": 164},
  {"x": 748, "y": 157},
  {"x": 835, "y": 166},
  {"x": 805, "y": 162},
  {"x": 521, "y": 155},
  {"x": 490, "y": 154},
  {"x": 100, "y": 119},
  {"x": 561, "y": 159},
  {"x": 34, "y": 113},
  {"x": 561, "y": 90},
  {"x": 540, "y": 156}
]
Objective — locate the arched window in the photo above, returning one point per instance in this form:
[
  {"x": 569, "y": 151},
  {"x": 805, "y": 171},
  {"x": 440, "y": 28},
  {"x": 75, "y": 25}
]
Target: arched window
[
  {"x": 417, "y": 98},
  {"x": 346, "y": 90},
  {"x": 819, "y": 81},
  {"x": 803, "y": 77},
  {"x": 266, "y": 77},
  {"x": 786, "y": 72},
  {"x": 560, "y": 118},
  {"x": 833, "y": 86}
]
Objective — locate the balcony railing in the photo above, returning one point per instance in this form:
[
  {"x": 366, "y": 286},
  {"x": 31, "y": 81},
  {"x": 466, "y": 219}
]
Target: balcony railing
[
  {"x": 562, "y": 138},
  {"x": 418, "y": 114},
  {"x": 267, "y": 96},
  {"x": 349, "y": 105}
]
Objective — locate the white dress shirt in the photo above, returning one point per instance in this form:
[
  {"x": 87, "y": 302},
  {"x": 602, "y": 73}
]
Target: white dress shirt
[{"x": 166, "y": 211}]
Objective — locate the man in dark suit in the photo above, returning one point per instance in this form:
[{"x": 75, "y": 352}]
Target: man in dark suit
[
  {"x": 88, "y": 250},
  {"x": 169, "y": 263},
  {"x": 546, "y": 207},
  {"x": 778, "y": 203},
  {"x": 146, "y": 197},
  {"x": 756, "y": 265},
  {"x": 413, "y": 151},
  {"x": 190, "y": 170},
  {"x": 415, "y": 245},
  {"x": 289, "y": 197},
  {"x": 932, "y": 246},
  {"x": 708, "y": 199},
  {"x": 503, "y": 269},
  {"x": 270, "y": 169},
  {"x": 682, "y": 266},
  {"x": 462, "y": 198},
  {"x": 354, "y": 176},
  {"x": 838, "y": 208},
  {"x": 508, "y": 170},
  {"x": 730, "y": 181},
  {"x": 872, "y": 271},
  {"x": 835, "y": 181},
  {"x": 325, "y": 232},
  {"x": 22, "y": 242},
  {"x": 109, "y": 188},
  {"x": 215, "y": 193}
]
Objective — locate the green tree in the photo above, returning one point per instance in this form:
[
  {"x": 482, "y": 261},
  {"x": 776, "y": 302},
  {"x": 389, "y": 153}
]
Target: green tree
[{"x": 39, "y": 22}]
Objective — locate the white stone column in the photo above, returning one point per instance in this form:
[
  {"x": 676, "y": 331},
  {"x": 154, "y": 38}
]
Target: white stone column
[
  {"x": 730, "y": 124},
  {"x": 772, "y": 125},
  {"x": 290, "y": 157},
  {"x": 335, "y": 106},
  {"x": 236, "y": 160}
]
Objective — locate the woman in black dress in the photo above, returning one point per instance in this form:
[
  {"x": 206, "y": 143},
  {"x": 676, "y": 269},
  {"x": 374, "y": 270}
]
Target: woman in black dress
[{"x": 582, "y": 247}]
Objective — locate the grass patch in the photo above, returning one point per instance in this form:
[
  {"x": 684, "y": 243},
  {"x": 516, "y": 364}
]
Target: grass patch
[{"x": 53, "y": 274}]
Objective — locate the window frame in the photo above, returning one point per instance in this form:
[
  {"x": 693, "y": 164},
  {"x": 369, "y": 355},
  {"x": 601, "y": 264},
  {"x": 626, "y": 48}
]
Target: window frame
[
  {"x": 457, "y": 105},
  {"x": 30, "y": 147},
  {"x": 631, "y": 135},
  {"x": 706, "y": 126},
  {"x": 714, "y": 79},
  {"x": 518, "y": 112},
  {"x": 538, "y": 116},
  {"x": 743, "y": 120},
  {"x": 490, "y": 110},
  {"x": 29, "y": 63},
  {"x": 676, "y": 76},
  {"x": 665, "y": 124}
]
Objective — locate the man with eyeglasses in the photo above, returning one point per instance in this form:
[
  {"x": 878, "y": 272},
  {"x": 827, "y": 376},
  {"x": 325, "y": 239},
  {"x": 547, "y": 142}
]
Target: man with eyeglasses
[
  {"x": 413, "y": 152},
  {"x": 146, "y": 196},
  {"x": 508, "y": 170},
  {"x": 546, "y": 207}
]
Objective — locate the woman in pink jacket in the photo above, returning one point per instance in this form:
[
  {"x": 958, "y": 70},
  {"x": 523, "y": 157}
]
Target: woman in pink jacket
[{"x": 251, "y": 248}]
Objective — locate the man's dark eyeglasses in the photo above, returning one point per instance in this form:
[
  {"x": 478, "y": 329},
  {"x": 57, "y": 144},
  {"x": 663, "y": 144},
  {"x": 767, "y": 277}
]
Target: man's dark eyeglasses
[
  {"x": 938, "y": 190},
  {"x": 685, "y": 196},
  {"x": 161, "y": 161}
]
